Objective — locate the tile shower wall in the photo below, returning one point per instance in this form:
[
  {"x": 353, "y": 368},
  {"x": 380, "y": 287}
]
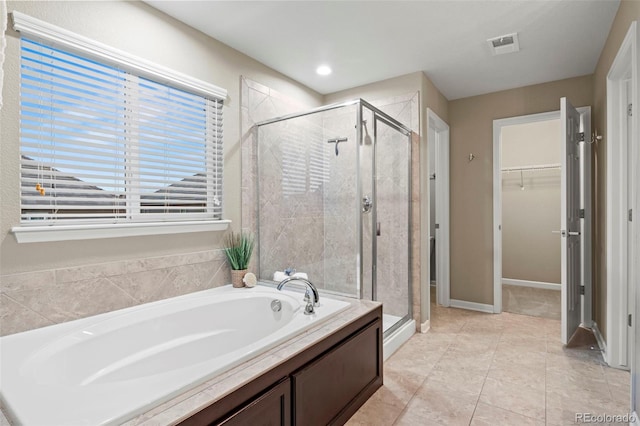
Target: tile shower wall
[
  {"x": 36, "y": 299},
  {"x": 341, "y": 204},
  {"x": 392, "y": 194},
  {"x": 257, "y": 103},
  {"x": 328, "y": 217},
  {"x": 291, "y": 174}
]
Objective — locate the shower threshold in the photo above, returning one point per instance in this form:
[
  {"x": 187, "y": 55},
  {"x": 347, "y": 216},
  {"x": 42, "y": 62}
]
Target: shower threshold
[{"x": 398, "y": 337}]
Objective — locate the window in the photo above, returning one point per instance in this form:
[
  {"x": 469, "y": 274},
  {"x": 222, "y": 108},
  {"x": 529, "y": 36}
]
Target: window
[{"x": 101, "y": 144}]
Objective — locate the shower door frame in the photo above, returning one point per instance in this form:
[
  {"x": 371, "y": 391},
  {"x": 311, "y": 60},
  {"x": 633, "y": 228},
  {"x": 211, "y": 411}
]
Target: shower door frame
[
  {"x": 394, "y": 124},
  {"x": 391, "y": 122}
]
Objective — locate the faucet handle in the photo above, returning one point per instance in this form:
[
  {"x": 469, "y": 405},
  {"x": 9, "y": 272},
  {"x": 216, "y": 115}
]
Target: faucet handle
[
  {"x": 308, "y": 309},
  {"x": 309, "y": 298}
]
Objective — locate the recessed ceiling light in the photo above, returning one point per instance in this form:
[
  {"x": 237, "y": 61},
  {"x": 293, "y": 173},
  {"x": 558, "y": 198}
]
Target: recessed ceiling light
[{"x": 323, "y": 70}]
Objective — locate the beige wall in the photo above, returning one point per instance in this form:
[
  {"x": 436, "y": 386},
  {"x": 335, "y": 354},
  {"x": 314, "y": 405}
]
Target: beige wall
[
  {"x": 628, "y": 11},
  {"x": 471, "y": 124},
  {"x": 530, "y": 251},
  {"x": 148, "y": 33}
]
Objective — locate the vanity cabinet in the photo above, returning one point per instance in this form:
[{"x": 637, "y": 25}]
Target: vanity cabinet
[
  {"x": 322, "y": 389},
  {"x": 323, "y": 385},
  {"x": 273, "y": 408}
]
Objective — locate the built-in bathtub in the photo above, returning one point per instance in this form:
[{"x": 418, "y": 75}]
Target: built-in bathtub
[{"x": 108, "y": 368}]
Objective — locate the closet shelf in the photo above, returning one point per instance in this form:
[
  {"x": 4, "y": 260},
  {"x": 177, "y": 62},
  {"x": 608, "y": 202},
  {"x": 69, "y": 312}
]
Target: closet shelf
[{"x": 533, "y": 167}]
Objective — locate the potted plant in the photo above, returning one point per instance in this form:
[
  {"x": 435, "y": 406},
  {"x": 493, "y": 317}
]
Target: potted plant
[{"x": 239, "y": 247}]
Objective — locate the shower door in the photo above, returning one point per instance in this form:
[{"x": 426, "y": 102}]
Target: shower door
[{"x": 385, "y": 227}]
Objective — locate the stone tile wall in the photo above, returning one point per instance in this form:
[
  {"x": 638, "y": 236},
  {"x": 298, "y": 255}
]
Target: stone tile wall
[
  {"x": 36, "y": 299},
  {"x": 315, "y": 231}
]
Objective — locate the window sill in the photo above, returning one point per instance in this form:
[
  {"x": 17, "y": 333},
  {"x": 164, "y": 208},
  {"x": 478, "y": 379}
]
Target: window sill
[{"x": 40, "y": 234}]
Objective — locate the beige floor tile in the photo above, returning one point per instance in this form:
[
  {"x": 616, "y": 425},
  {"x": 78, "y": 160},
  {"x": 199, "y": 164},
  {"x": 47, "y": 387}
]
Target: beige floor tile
[
  {"x": 455, "y": 381},
  {"x": 523, "y": 341},
  {"x": 398, "y": 388},
  {"x": 526, "y": 359},
  {"x": 375, "y": 413},
  {"x": 482, "y": 369},
  {"x": 416, "y": 364},
  {"x": 531, "y": 301},
  {"x": 572, "y": 383},
  {"x": 479, "y": 344},
  {"x": 527, "y": 376},
  {"x": 433, "y": 407},
  {"x": 617, "y": 377},
  {"x": 488, "y": 415},
  {"x": 620, "y": 394},
  {"x": 564, "y": 409},
  {"x": 466, "y": 362},
  {"x": 520, "y": 399},
  {"x": 575, "y": 366}
]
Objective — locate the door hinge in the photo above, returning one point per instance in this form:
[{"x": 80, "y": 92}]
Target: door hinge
[
  {"x": 582, "y": 290},
  {"x": 581, "y": 213},
  {"x": 629, "y": 320},
  {"x": 437, "y": 226},
  {"x": 580, "y": 136},
  {"x": 630, "y": 215},
  {"x": 630, "y": 110}
]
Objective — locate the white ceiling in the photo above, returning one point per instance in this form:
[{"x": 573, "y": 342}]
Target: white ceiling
[{"x": 367, "y": 41}]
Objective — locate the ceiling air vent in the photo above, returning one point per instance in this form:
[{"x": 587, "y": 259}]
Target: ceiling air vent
[{"x": 507, "y": 43}]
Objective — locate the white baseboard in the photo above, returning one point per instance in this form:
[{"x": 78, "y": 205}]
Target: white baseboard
[
  {"x": 472, "y": 306},
  {"x": 601, "y": 342},
  {"x": 534, "y": 284},
  {"x": 425, "y": 326}
]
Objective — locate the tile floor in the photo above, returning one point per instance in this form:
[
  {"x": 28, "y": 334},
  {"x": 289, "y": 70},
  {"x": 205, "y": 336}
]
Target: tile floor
[
  {"x": 536, "y": 302},
  {"x": 483, "y": 369}
]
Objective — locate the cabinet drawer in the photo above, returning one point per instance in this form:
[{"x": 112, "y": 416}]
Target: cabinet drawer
[
  {"x": 273, "y": 408},
  {"x": 324, "y": 388}
]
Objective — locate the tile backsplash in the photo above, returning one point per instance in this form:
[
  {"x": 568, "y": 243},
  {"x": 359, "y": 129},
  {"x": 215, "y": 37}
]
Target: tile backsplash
[{"x": 36, "y": 299}]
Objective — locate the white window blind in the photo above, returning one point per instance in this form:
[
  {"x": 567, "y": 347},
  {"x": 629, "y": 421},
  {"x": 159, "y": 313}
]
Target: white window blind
[{"x": 100, "y": 144}]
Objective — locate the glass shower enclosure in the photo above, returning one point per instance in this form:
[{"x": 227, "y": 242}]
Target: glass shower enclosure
[{"x": 334, "y": 194}]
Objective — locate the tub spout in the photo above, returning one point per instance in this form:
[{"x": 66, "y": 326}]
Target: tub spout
[{"x": 309, "y": 309}]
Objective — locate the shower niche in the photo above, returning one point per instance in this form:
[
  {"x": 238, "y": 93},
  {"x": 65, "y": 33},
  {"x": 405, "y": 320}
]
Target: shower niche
[{"x": 334, "y": 202}]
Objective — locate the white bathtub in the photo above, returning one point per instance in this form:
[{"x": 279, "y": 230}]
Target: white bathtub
[{"x": 108, "y": 368}]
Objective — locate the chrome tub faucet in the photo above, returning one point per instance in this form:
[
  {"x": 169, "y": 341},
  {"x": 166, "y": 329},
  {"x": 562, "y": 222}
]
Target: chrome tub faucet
[{"x": 309, "y": 309}]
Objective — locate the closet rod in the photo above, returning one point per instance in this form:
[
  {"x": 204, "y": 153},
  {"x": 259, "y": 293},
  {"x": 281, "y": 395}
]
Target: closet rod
[{"x": 534, "y": 167}]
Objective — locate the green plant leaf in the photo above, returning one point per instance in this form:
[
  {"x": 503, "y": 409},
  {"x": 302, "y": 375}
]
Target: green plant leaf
[{"x": 239, "y": 248}]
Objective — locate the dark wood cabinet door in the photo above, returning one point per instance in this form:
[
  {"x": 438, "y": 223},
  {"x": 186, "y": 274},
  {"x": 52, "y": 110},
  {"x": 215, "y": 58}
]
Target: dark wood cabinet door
[
  {"x": 270, "y": 409},
  {"x": 325, "y": 390}
]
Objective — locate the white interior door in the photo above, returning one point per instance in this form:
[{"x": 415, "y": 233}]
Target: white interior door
[
  {"x": 438, "y": 132},
  {"x": 628, "y": 290},
  {"x": 570, "y": 220}
]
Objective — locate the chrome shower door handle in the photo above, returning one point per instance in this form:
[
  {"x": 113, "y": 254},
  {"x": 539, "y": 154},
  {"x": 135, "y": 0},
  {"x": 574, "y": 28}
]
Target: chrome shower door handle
[
  {"x": 367, "y": 204},
  {"x": 565, "y": 233}
]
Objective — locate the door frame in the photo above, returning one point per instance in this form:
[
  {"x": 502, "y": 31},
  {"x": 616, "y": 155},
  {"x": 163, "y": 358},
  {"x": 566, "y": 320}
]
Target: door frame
[
  {"x": 619, "y": 270},
  {"x": 498, "y": 124},
  {"x": 440, "y": 129}
]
